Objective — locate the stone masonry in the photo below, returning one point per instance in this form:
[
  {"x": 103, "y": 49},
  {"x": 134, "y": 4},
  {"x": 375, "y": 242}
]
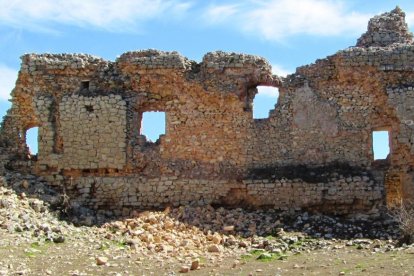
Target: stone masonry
[{"x": 313, "y": 152}]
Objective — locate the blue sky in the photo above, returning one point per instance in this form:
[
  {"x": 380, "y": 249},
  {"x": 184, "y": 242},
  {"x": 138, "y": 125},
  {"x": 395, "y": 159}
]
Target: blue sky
[{"x": 287, "y": 33}]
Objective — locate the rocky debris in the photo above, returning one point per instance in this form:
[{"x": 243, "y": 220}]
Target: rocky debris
[
  {"x": 31, "y": 216},
  {"x": 187, "y": 233},
  {"x": 273, "y": 222},
  {"x": 198, "y": 232}
]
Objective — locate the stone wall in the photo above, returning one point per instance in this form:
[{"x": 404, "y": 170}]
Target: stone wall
[
  {"x": 89, "y": 114},
  {"x": 123, "y": 194}
]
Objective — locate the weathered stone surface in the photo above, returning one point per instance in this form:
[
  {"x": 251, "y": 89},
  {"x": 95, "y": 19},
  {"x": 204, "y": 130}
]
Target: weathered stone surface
[
  {"x": 386, "y": 29},
  {"x": 313, "y": 152}
]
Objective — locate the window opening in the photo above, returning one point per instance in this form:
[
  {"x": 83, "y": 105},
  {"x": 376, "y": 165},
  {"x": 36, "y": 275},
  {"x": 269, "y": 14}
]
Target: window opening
[
  {"x": 32, "y": 140},
  {"x": 85, "y": 85},
  {"x": 380, "y": 144},
  {"x": 89, "y": 108},
  {"x": 153, "y": 125},
  {"x": 264, "y": 101}
]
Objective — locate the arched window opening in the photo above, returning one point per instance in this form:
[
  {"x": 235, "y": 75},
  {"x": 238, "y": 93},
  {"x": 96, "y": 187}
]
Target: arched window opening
[
  {"x": 264, "y": 101},
  {"x": 153, "y": 125},
  {"x": 380, "y": 144},
  {"x": 32, "y": 142}
]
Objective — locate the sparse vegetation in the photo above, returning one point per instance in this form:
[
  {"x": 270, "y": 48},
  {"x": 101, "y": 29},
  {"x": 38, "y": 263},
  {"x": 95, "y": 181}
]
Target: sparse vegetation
[
  {"x": 403, "y": 213},
  {"x": 263, "y": 256}
]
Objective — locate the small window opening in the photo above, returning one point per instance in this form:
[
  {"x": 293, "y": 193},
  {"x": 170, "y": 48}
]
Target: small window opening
[
  {"x": 85, "y": 85},
  {"x": 89, "y": 108},
  {"x": 153, "y": 125},
  {"x": 380, "y": 144},
  {"x": 32, "y": 140},
  {"x": 264, "y": 101}
]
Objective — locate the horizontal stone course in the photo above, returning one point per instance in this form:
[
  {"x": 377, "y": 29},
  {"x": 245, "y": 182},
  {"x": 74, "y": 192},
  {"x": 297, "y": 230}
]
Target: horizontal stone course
[{"x": 134, "y": 191}]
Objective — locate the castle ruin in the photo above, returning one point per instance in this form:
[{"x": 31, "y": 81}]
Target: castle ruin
[{"x": 313, "y": 152}]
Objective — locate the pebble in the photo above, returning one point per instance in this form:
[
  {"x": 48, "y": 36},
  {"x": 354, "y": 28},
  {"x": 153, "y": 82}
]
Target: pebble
[
  {"x": 59, "y": 239},
  {"x": 214, "y": 248},
  {"x": 101, "y": 260},
  {"x": 195, "y": 264},
  {"x": 184, "y": 269}
]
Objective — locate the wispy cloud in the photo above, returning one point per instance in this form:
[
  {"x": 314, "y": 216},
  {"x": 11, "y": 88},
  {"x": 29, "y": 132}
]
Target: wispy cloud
[
  {"x": 220, "y": 13},
  {"x": 114, "y": 15},
  {"x": 277, "y": 19},
  {"x": 280, "y": 70},
  {"x": 8, "y": 78}
]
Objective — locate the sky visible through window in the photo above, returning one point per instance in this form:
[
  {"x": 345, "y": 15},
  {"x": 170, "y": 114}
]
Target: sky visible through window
[
  {"x": 31, "y": 139},
  {"x": 381, "y": 147},
  {"x": 264, "y": 101},
  {"x": 153, "y": 125}
]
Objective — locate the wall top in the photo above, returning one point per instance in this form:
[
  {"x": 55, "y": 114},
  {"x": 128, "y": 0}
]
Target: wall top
[{"x": 386, "y": 29}]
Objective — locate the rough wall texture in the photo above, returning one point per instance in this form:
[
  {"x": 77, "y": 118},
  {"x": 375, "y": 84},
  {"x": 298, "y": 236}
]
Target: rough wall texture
[{"x": 314, "y": 151}]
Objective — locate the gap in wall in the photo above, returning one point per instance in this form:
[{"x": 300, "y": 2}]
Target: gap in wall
[
  {"x": 264, "y": 101},
  {"x": 153, "y": 125},
  {"x": 380, "y": 144},
  {"x": 32, "y": 139}
]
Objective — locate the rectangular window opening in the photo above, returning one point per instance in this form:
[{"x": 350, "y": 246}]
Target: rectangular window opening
[
  {"x": 264, "y": 101},
  {"x": 32, "y": 143},
  {"x": 153, "y": 125},
  {"x": 85, "y": 85},
  {"x": 381, "y": 144}
]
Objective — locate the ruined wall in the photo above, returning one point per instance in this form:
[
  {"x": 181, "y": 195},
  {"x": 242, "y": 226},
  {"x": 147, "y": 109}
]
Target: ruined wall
[
  {"x": 89, "y": 113},
  {"x": 123, "y": 194}
]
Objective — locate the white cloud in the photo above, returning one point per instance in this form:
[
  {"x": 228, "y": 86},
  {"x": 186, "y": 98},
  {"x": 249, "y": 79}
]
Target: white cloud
[
  {"x": 217, "y": 14},
  {"x": 115, "y": 15},
  {"x": 280, "y": 70},
  {"x": 271, "y": 92},
  {"x": 277, "y": 19},
  {"x": 8, "y": 78}
]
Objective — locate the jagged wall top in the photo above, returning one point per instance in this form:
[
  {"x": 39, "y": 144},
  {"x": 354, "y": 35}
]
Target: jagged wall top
[
  {"x": 151, "y": 59},
  {"x": 386, "y": 29},
  {"x": 147, "y": 59}
]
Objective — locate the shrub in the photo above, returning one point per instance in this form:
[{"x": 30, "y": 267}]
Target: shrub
[{"x": 403, "y": 214}]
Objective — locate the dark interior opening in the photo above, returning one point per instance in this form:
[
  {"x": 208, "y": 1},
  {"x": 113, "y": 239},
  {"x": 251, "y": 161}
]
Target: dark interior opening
[{"x": 85, "y": 85}]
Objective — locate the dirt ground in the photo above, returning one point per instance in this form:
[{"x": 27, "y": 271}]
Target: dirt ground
[{"x": 77, "y": 256}]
